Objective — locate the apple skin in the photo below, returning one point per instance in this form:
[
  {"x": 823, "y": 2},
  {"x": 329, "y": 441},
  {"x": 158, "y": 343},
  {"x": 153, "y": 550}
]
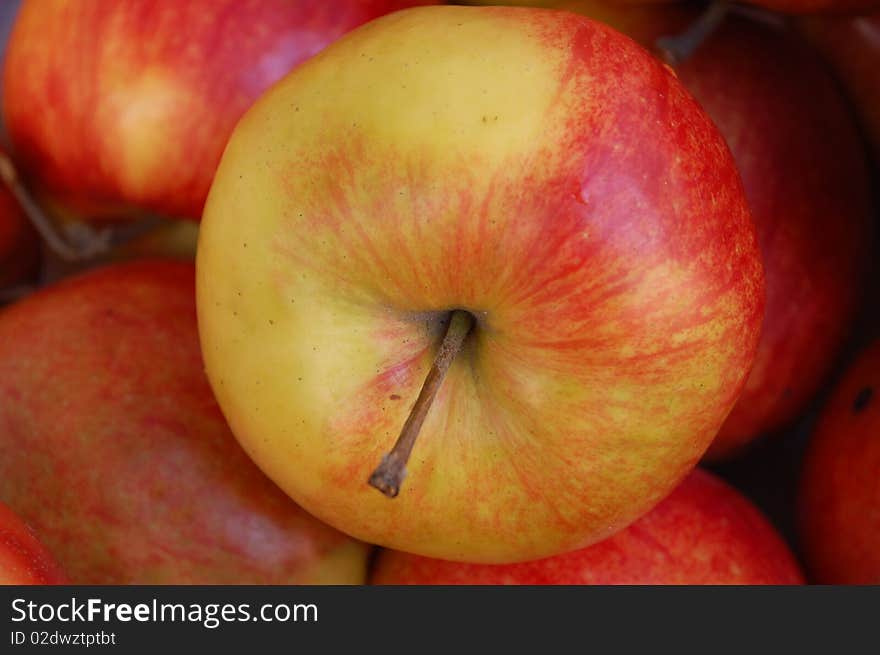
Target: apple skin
[
  {"x": 23, "y": 559},
  {"x": 113, "y": 105},
  {"x": 704, "y": 532},
  {"x": 839, "y": 492},
  {"x": 113, "y": 449},
  {"x": 852, "y": 45},
  {"x": 487, "y": 159},
  {"x": 805, "y": 173}
]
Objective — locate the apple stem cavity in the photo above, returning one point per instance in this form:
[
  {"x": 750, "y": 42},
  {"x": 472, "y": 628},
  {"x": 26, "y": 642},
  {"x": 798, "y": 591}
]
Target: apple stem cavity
[
  {"x": 88, "y": 242},
  {"x": 677, "y": 48},
  {"x": 391, "y": 471}
]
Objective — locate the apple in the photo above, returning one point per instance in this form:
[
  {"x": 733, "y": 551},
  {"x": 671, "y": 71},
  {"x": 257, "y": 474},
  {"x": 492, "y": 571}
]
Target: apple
[
  {"x": 806, "y": 178},
  {"x": 704, "y": 532},
  {"x": 114, "y": 450},
  {"x": 113, "y": 105},
  {"x": 839, "y": 494},
  {"x": 23, "y": 559},
  {"x": 523, "y": 201},
  {"x": 852, "y": 45}
]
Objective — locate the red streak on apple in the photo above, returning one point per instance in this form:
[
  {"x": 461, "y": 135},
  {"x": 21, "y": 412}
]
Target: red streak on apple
[
  {"x": 113, "y": 448},
  {"x": 704, "y": 532},
  {"x": 23, "y": 559},
  {"x": 839, "y": 503},
  {"x": 113, "y": 105}
]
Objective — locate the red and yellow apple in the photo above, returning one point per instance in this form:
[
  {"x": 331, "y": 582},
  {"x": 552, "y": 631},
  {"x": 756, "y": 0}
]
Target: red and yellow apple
[
  {"x": 839, "y": 501},
  {"x": 23, "y": 559},
  {"x": 114, "y": 450},
  {"x": 532, "y": 173},
  {"x": 114, "y": 105},
  {"x": 805, "y": 175},
  {"x": 704, "y": 532}
]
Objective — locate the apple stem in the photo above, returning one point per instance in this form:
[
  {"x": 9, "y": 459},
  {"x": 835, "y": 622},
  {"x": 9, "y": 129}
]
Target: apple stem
[
  {"x": 88, "y": 242},
  {"x": 390, "y": 473},
  {"x": 677, "y": 48}
]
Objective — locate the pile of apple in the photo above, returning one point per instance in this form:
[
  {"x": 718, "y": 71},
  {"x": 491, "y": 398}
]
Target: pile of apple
[{"x": 480, "y": 295}]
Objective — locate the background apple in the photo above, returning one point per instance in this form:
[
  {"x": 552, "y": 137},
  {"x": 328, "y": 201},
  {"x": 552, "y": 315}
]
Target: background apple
[
  {"x": 704, "y": 532},
  {"x": 117, "y": 104},
  {"x": 489, "y": 160},
  {"x": 115, "y": 452},
  {"x": 840, "y": 485},
  {"x": 23, "y": 559}
]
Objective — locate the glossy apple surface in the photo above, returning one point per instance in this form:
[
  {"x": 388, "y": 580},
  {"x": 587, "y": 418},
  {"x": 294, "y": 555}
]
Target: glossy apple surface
[
  {"x": 704, "y": 532},
  {"x": 23, "y": 559},
  {"x": 535, "y": 169},
  {"x": 839, "y": 502},
  {"x": 113, "y": 449},
  {"x": 112, "y": 105}
]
